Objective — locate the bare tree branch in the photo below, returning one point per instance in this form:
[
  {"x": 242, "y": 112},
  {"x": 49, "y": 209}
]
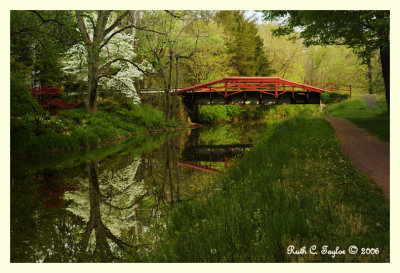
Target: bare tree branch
[
  {"x": 82, "y": 27},
  {"x": 90, "y": 19},
  {"x": 86, "y": 234},
  {"x": 101, "y": 24},
  {"x": 195, "y": 48},
  {"x": 115, "y": 24},
  {"x": 125, "y": 28},
  {"x": 128, "y": 207},
  {"x": 44, "y": 21},
  {"x": 173, "y": 15},
  {"x": 108, "y": 64},
  {"x": 30, "y": 30},
  {"x": 119, "y": 242}
]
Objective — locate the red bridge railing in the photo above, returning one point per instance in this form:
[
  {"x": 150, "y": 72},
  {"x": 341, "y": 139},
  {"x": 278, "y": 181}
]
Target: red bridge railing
[
  {"x": 334, "y": 87},
  {"x": 274, "y": 86}
]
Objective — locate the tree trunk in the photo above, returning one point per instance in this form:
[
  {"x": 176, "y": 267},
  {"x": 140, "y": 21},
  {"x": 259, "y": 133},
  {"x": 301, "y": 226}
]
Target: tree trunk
[
  {"x": 168, "y": 168},
  {"x": 174, "y": 103},
  {"x": 93, "y": 67},
  {"x": 168, "y": 102},
  {"x": 133, "y": 15},
  {"x": 385, "y": 62},
  {"x": 369, "y": 74}
]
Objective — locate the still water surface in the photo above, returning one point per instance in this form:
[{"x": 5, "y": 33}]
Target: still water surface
[{"x": 105, "y": 204}]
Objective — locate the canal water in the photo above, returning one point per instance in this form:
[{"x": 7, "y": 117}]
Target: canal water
[{"x": 107, "y": 203}]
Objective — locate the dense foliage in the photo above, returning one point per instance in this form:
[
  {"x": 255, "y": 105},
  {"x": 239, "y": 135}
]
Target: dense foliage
[
  {"x": 77, "y": 129},
  {"x": 37, "y": 38}
]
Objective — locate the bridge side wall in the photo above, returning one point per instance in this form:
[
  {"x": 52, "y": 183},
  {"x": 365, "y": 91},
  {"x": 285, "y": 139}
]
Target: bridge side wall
[{"x": 250, "y": 98}]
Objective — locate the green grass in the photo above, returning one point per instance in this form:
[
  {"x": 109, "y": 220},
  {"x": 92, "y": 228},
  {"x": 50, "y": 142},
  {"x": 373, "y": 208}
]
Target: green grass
[
  {"x": 76, "y": 128},
  {"x": 376, "y": 120},
  {"x": 294, "y": 188},
  {"x": 291, "y": 110}
]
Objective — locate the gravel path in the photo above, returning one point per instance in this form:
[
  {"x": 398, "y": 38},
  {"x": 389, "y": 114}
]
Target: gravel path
[
  {"x": 371, "y": 101},
  {"x": 368, "y": 154}
]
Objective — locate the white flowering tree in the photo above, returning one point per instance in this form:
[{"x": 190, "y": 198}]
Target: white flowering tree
[{"x": 105, "y": 56}]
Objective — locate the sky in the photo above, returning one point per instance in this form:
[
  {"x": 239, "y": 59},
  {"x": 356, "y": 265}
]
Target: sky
[{"x": 258, "y": 15}]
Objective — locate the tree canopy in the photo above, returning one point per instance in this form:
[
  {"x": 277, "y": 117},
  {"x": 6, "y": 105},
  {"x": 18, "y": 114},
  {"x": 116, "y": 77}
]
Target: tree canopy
[
  {"x": 106, "y": 53},
  {"x": 365, "y": 31}
]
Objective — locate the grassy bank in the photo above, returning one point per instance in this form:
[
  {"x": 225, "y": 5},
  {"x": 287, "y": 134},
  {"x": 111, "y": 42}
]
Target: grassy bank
[
  {"x": 294, "y": 188},
  {"x": 77, "y": 129},
  {"x": 375, "y": 120}
]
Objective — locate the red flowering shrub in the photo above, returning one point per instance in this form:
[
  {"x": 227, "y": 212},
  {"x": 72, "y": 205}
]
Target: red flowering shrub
[{"x": 49, "y": 98}]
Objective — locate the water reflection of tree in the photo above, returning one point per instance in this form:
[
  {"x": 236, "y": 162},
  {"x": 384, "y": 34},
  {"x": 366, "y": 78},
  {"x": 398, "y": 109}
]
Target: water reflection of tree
[
  {"x": 107, "y": 204},
  {"x": 118, "y": 209},
  {"x": 122, "y": 207}
]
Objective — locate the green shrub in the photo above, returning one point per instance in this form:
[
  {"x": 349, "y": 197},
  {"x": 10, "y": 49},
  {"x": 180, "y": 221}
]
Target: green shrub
[
  {"x": 22, "y": 102},
  {"x": 76, "y": 127},
  {"x": 331, "y": 97},
  {"x": 109, "y": 105},
  {"x": 144, "y": 115},
  {"x": 217, "y": 113}
]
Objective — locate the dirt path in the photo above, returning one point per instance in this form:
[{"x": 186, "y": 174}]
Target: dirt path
[{"x": 368, "y": 154}]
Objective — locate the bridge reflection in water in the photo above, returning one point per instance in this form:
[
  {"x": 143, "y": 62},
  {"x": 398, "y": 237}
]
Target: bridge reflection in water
[{"x": 211, "y": 153}]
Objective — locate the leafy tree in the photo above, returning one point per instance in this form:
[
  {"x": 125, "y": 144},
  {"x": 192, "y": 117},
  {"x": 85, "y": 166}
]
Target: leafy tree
[
  {"x": 169, "y": 36},
  {"x": 37, "y": 39},
  {"x": 212, "y": 60},
  {"x": 244, "y": 45},
  {"x": 362, "y": 30},
  {"x": 291, "y": 59},
  {"x": 284, "y": 55},
  {"x": 22, "y": 102}
]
